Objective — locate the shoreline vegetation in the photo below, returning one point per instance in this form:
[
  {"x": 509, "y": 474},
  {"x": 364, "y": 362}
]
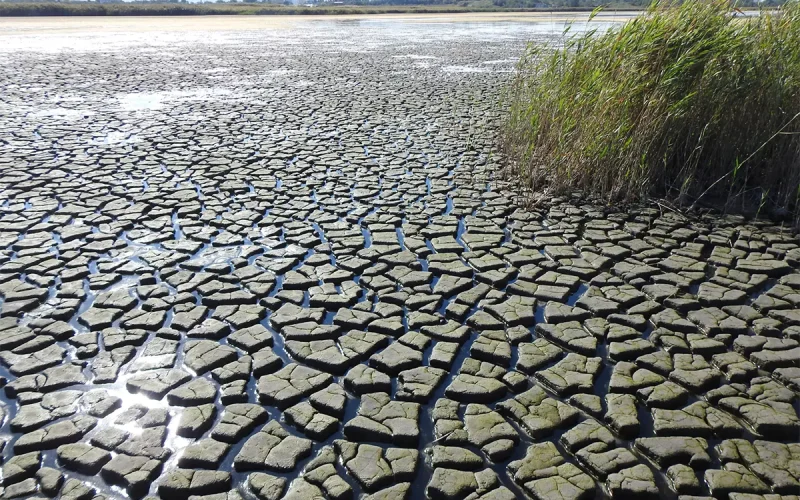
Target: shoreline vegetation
[
  {"x": 692, "y": 104},
  {"x": 26, "y": 9}
]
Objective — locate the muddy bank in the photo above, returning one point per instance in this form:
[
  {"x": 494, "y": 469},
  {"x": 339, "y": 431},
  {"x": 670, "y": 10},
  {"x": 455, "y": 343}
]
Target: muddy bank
[{"x": 274, "y": 260}]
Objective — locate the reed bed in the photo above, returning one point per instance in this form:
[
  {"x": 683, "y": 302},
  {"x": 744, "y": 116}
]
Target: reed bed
[{"x": 690, "y": 102}]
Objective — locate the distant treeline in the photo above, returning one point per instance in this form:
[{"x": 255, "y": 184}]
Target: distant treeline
[{"x": 20, "y": 9}]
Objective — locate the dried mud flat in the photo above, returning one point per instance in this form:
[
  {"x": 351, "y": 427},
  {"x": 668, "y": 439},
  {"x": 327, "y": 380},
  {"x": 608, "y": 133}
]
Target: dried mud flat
[{"x": 278, "y": 264}]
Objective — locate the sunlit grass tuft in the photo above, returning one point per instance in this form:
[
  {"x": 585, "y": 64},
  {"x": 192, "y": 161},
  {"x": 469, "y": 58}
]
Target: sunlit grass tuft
[{"x": 684, "y": 102}]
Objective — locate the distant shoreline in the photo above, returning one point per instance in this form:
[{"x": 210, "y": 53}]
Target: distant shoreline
[{"x": 47, "y": 9}]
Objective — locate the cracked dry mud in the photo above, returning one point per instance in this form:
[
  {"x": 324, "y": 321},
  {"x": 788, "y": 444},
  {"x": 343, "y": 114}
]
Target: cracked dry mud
[{"x": 280, "y": 264}]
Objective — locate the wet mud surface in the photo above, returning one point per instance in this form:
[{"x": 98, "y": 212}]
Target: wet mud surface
[{"x": 280, "y": 264}]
